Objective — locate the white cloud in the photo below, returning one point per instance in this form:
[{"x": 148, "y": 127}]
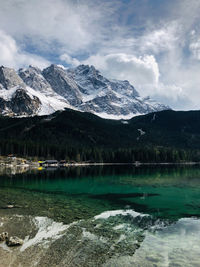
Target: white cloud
[
  {"x": 56, "y": 25},
  {"x": 156, "y": 48},
  {"x": 138, "y": 70},
  {"x": 12, "y": 56},
  {"x": 69, "y": 60},
  {"x": 195, "y": 49},
  {"x": 194, "y": 44},
  {"x": 143, "y": 73},
  {"x": 160, "y": 39}
]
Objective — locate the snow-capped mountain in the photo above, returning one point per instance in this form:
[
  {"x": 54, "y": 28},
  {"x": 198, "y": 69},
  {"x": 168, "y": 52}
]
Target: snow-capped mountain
[
  {"x": 110, "y": 98},
  {"x": 33, "y": 91}
]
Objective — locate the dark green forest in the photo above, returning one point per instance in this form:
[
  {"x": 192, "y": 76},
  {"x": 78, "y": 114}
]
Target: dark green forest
[{"x": 165, "y": 136}]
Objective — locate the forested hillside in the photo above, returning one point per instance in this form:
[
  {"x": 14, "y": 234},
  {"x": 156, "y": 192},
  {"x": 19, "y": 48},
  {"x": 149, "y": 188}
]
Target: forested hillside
[{"x": 165, "y": 136}]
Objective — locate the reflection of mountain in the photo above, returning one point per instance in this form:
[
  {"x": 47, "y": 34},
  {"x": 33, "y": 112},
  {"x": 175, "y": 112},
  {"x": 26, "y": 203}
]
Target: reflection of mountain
[{"x": 146, "y": 189}]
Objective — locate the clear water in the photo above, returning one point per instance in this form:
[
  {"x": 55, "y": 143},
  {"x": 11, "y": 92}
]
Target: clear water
[{"x": 103, "y": 216}]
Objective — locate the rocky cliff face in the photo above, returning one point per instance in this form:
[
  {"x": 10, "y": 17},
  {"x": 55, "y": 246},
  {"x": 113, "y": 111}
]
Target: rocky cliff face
[
  {"x": 14, "y": 98},
  {"x": 33, "y": 91},
  {"x": 23, "y": 104},
  {"x": 109, "y": 98},
  {"x": 9, "y": 78},
  {"x": 62, "y": 84},
  {"x": 32, "y": 77}
]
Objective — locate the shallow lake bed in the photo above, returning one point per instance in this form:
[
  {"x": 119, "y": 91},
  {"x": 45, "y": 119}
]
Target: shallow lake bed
[{"x": 103, "y": 216}]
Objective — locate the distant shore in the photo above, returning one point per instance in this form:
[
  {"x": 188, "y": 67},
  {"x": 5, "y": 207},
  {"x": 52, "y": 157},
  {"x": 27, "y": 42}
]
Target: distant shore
[{"x": 17, "y": 162}]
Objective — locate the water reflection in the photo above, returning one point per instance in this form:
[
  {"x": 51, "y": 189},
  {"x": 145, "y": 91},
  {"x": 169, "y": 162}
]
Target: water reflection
[
  {"x": 163, "y": 191},
  {"x": 103, "y": 216}
]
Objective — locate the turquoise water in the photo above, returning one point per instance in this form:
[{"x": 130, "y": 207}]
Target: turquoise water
[
  {"x": 169, "y": 192},
  {"x": 105, "y": 216}
]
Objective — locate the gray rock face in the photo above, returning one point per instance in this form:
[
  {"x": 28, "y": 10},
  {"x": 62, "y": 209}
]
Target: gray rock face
[
  {"x": 32, "y": 76},
  {"x": 3, "y": 106},
  {"x": 90, "y": 80},
  {"x": 21, "y": 104},
  {"x": 83, "y": 88},
  {"x": 109, "y": 97},
  {"x": 62, "y": 84},
  {"x": 17, "y": 101},
  {"x": 9, "y": 78}
]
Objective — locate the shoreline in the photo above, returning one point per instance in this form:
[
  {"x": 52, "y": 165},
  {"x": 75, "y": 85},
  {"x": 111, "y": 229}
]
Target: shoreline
[
  {"x": 36, "y": 165},
  {"x": 22, "y": 163}
]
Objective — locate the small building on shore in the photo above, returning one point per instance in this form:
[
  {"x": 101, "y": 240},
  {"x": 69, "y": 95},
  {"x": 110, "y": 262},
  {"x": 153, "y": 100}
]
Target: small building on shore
[
  {"x": 49, "y": 163},
  {"x": 41, "y": 163},
  {"x": 62, "y": 163}
]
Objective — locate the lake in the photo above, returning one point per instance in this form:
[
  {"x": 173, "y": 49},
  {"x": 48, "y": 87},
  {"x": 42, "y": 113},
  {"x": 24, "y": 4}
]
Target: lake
[{"x": 102, "y": 216}]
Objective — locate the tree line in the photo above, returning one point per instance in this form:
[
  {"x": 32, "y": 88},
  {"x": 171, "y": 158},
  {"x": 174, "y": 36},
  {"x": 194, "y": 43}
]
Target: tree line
[{"x": 42, "y": 150}]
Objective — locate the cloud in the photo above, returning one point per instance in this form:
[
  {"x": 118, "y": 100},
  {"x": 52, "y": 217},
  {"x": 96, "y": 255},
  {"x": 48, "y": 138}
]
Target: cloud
[
  {"x": 160, "y": 39},
  {"x": 141, "y": 70},
  {"x": 154, "y": 45},
  {"x": 12, "y": 56},
  {"x": 195, "y": 49},
  {"x": 69, "y": 60},
  {"x": 57, "y": 25},
  {"x": 194, "y": 45}
]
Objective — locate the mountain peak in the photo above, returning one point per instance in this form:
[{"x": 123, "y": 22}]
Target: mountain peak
[
  {"x": 85, "y": 70},
  {"x": 83, "y": 88},
  {"x": 54, "y": 67},
  {"x": 30, "y": 69},
  {"x": 9, "y": 78},
  {"x": 62, "y": 84},
  {"x": 35, "y": 68}
]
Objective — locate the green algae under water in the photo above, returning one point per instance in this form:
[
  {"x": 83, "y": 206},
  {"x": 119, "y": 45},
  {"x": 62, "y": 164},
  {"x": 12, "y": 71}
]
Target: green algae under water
[
  {"x": 166, "y": 192},
  {"x": 168, "y": 195}
]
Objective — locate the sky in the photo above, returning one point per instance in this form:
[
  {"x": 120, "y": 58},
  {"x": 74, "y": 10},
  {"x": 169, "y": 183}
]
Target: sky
[{"x": 155, "y": 44}]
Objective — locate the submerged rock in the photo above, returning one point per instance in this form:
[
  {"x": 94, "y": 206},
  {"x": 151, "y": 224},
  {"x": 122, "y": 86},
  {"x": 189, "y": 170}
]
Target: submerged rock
[
  {"x": 3, "y": 236},
  {"x": 10, "y": 206},
  {"x": 14, "y": 241}
]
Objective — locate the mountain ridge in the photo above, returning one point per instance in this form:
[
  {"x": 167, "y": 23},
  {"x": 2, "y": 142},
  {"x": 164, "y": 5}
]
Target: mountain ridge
[{"x": 82, "y": 88}]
